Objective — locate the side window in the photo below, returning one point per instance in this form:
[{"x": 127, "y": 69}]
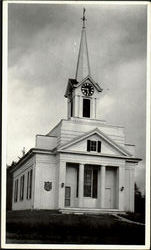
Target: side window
[
  {"x": 22, "y": 187},
  {"x": 16, "y": 191},
  {"x": 29, "y": 185},
  {"x": 94, "y": 146}
]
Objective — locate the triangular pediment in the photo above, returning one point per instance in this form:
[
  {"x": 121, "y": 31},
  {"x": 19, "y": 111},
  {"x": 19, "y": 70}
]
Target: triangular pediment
[
  {"x": 108, "y": 146},
  {"x": 90, "y": 80},
  {"x": 72, "y": 84}
]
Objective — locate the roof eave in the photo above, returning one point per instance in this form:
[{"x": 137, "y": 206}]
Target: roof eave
[{"x": 28, "y": 155}]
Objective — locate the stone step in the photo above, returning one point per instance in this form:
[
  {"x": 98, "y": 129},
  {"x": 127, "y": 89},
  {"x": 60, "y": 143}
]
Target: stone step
[{"x": 80, "y": 211}]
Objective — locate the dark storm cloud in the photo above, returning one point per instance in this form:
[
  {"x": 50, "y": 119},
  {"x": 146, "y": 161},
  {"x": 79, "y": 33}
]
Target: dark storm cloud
[{"x": 28, "y": 20}]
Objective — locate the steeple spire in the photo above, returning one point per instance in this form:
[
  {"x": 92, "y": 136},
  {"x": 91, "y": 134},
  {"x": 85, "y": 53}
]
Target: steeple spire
[
  {"x": 83, "y": 66},
  {"x": 83, "y": 18}
]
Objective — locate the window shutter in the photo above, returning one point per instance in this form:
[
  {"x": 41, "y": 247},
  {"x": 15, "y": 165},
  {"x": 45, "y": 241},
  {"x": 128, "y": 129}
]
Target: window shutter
[
  {"x": 99, "y": 146},
  {"x": 23, "y": 188},
  {"x": 30, "y": 186},
  {"x": 27, "y": 194},
  {"x": 88, "y": 145}
]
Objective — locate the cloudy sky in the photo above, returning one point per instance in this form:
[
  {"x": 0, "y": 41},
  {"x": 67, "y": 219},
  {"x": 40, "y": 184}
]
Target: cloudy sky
[{"x": 43, "y": 43}]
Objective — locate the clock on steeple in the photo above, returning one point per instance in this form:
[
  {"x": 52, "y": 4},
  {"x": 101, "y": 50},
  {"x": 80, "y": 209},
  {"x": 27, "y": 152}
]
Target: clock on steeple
[
  {"x": 83, "y": 92},
  {"x": 87, "y": 89}
]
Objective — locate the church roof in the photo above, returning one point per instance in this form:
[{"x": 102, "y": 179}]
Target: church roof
[{"x": 71, "y": 84}]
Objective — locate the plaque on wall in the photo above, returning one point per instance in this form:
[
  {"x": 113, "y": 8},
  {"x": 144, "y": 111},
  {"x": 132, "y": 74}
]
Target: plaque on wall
[{"x": 47, "y": 185}]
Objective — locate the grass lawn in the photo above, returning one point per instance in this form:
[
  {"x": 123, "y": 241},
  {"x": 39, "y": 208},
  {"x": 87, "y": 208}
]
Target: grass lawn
[{"x": 45, "y": 227}]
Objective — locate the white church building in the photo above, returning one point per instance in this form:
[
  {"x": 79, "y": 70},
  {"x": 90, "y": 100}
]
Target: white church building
[{"x": 83, "y": 164}]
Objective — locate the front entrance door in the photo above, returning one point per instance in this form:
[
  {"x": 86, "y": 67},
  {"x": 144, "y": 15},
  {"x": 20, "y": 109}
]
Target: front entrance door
[
  {"x": 67, "y": 196},
  {"x": 108, "y": 198},
  {"x": 111, "y": 187}
]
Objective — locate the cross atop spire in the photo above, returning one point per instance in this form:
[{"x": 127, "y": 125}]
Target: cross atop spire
[
  {"x": 83, "y": 18},
  {"x": 83, "y": 67}
]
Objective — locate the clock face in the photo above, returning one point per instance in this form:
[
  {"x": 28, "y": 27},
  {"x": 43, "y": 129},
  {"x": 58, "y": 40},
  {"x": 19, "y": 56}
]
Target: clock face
[{"x": 87, "y": 89}]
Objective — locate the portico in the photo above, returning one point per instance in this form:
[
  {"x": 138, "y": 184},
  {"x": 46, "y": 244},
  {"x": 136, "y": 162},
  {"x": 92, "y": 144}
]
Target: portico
[{"x": 94, "y": 185}]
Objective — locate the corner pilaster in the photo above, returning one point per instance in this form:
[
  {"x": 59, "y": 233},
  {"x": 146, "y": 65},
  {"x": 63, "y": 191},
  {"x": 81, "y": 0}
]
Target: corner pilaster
[{"x": 62, "y": 181}]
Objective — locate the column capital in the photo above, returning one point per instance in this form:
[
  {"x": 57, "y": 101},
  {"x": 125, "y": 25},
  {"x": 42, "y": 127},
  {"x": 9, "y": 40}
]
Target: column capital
[
  {"x": 63, "y": 161},
  {"x": 81, "y": 164}
]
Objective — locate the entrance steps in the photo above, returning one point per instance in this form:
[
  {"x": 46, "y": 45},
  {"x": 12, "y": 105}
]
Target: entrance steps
[{"x": 80, "y": 211}]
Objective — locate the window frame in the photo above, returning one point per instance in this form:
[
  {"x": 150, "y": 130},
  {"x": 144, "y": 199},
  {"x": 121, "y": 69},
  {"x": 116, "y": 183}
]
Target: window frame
[
  {"x": 29, "y": 184},
  {"x": 94, "y": 146},
  {"x": 22, "y": 181},
  {"x": 16, "y": 190}
]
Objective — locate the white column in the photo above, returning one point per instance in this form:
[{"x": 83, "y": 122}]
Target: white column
[
  {"x": 76, "y": 106},
  {"x": 62, "y": 181},
  {"x": 102, "y": 179},
  {"x": 92, "y": 108},
  {"x": 81, "y": 184},
  {"x": 80, "y": 106},
  {"x": 132, "y": 193},
  {"x": 73, "y": 106},
  {"x": 69, "y": 108}
]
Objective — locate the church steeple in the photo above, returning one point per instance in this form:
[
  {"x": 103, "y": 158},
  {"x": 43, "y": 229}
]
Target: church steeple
[
  {"x": 83, "y": 65},
  {"x": 83, "y": 92}
]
